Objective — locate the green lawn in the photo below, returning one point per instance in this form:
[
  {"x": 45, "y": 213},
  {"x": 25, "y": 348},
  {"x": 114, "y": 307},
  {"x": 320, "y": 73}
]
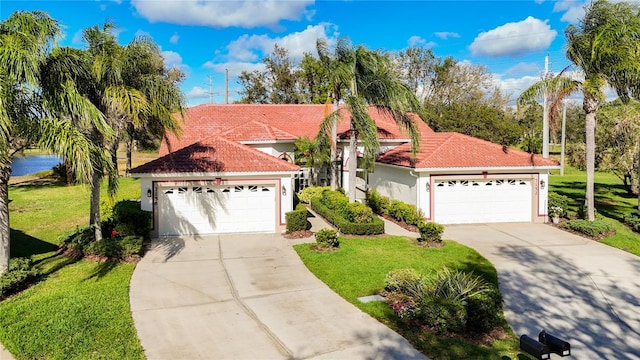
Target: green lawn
[
  {"x": 80, "y": 310},
  {"x": 612, "y": 203},
  {"x": 359, "y": 267}
]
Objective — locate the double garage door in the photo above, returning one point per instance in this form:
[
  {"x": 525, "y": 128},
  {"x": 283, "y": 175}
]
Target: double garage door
[
  {"x": 482, "y": 201},
  {"x": 198, "y": 209}
]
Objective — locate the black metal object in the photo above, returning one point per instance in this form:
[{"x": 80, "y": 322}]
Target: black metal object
[
  {"x": 555, "y": 344},
  {"x": 534, "y": 348}
]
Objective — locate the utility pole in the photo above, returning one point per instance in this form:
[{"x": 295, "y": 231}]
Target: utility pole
[
  {"x": 562, "y": 142},
  {"x": 226, "y": 86},
  {"x": 210, "y": 89},
  {"x": 545, "y": 111}
]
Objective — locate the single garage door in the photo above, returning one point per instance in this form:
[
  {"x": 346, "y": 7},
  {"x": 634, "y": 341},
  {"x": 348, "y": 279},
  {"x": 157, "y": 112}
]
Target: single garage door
[
  {"x": 195, "y": 209},
  {"x": 482, "y": 201}
]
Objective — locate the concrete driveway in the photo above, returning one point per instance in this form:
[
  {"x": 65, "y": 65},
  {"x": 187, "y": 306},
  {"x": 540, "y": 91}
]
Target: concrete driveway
[
  {"x": 580, "y": 290},
  {"x": 247, "y": 297}
]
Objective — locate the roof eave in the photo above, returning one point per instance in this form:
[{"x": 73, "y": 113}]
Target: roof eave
[{"x": 213, "y": 174}]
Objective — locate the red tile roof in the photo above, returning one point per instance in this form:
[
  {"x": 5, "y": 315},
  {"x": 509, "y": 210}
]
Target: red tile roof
[
  {"x": 455, "y": 150},
  {"x": 259, "y": 122},
  {"x": 215, "y": 154}
]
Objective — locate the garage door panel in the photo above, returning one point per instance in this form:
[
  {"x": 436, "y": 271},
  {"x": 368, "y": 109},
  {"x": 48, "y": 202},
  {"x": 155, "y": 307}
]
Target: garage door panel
[
  {"x": 474, "y": 201},
  {"x": 208, "y": 210}
]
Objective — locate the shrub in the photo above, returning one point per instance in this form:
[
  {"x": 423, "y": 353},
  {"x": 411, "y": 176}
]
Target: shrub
[
  {"x": 130, "y": 219},
  {"x": 77, "y": 239},
  {"x": 116, "y": 248},
  {"x": 19, "y": 273},
  {"x": 327, "y": 238},
  {"x": 403, "y": 305},
  {"x": 582, "y": 211},
  {"x": 404, "y": 281},
  {"x": 442, "y": 315},
  {"x": 296, "y": 220},
  {"x": 379, "y": 204},
  {"x": 558, "y": 201},
  {"x": 430, "y": 231},
  {"x": 305, "y": 195},
  {"x": 484, "y": 310},
  {"x": 333, "y": 206},
  {"x": 457, "y": 285},
  {"x": 594, "y": 228},
  {"x": 131, "y": 245},
  {"x": 359, "y": 213},
  {"x": 633, "y": 221}
]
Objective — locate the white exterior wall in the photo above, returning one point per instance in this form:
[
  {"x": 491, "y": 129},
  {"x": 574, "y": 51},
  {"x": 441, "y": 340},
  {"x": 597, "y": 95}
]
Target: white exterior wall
[
  {"x": 275, "y": 149},
  {"x": 396, "y": 183},
  {"x": 424, "y": 196},
  {"x": 543, "y": 200},
  {"x": 148, "y": 181}
]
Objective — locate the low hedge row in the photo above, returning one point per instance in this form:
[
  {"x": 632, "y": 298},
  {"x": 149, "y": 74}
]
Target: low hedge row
[
  {"x": 331, "y": 205},
  {"x": 297, "y": 219},
  {"x": 594, "y": 228}
]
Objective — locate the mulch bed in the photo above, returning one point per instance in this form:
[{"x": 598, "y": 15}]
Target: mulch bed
[{"x": 298, "y": 234}]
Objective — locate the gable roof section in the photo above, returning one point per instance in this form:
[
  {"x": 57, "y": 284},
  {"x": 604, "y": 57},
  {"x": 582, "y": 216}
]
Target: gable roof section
[
  {"x": 455, "y": 150},
  {"x": 241, "y": 122},
  {"x": 215, "y": 154}
]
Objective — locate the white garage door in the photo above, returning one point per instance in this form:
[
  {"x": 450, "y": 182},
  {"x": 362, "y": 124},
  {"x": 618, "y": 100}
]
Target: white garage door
[
  {"x": 482, "y": 201},
  {"x": 195, "y": 209}
]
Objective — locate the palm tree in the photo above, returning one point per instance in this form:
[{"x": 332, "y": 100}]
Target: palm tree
[
  {"x": 27, "y": 115},
  {"x": 361, "y": 78},
  {"x": 311, "y": 154},
  {"x": 556, "y": 89},
  {"x": 604, "y": 46}
]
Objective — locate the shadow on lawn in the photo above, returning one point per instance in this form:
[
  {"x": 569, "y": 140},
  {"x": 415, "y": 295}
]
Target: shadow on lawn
[{"x": 25, "y": 245}]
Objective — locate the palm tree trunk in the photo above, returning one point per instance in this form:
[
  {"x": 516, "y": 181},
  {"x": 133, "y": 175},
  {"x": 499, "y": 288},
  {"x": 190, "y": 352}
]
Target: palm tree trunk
[
  {"x": 130, "y": 133},
  {"x": 5, "y": 231},
  {"x": 333, "y": 166},
  {"x": 353, "y": 165},
  {"x": 590, "y": 106},
  {"x": 114, "y": 154},
  {"x": 94, "y": 212}
]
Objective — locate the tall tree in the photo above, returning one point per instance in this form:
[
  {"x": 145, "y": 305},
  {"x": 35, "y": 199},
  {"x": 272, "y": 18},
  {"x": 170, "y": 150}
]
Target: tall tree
[
  {"x": 26, "y": 114},
  {"x": 362, "y": 78},
  {"x": 604, "y": 46}
]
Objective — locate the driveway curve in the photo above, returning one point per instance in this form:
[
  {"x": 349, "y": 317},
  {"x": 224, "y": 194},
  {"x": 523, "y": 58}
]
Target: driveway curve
[
  {"x": 582, "y": 291},
  {"x": 247, "y": 297}
]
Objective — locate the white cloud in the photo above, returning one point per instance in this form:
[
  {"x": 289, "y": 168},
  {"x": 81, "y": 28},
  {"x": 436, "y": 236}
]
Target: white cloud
[
  {"x": 514, "y": 39},
  {"x": 251, "y": 48},
  {"x": 78, "y": 38},
  {"x": 444, "y": 35},
  {"x": 197, "y": 93},
  {"x": 513, "y": 87},
  {"x": 416, "y": 41},
  {"x": 240, "y": 13},
  {"x": 174, "y": 38},
  {"x": 523, "y": 68},
  {"x": 142, "y": 33},
  {"x": 234, "y": 68},
  {"x": 173, "y": 59}
]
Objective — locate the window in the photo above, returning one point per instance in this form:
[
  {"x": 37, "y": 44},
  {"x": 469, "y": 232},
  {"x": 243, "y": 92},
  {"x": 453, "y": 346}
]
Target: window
[
  {"x": 182, "y": 190},
  {"x": 264, "y": 188},
  {"x": 475, "y": 183},
  {"x": 253, "y": 188},
  {"x": 169, "y": 191},
  {"x": 452, "y": 183},
  {"x": 464, "y": 183},
  {"x": 226, "y": 190},
  {"x": 197, "y": 189},
  {"x": 238, "y": 188}
]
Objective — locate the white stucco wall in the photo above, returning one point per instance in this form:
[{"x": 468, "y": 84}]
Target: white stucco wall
[
  {"x": 394, "y": 182},
  {"x": 544, "y": 193},
  {"x": 275, "y": 149}
]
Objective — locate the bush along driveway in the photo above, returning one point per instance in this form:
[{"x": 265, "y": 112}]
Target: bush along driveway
[{"x": 575, "y": 288}]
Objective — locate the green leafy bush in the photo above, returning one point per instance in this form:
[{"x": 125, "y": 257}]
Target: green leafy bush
[
  {"x": 305, "y": 195},
  {"x": 398, "y": 210},
  {"x": 378, "y": 203},
  {"x": 442, "y": 315},
  {"x": 333, "y": 206},
  {"x": 457, "y": 285},
  {"x": 405, "y": 281},
  {"x": 484, "y": 310},
  {"x": 115, "y": 247},
  {"x": 430, "y": 231},
  {"x": 20, "y": 272},
  {"x": 130, "y": 219},
  {"x": 327, "y": 238},
  {"x": 77, "y": 239},
  {"x": 594, "y": 228},
  {"x": 633, "y": 221},
  {"x": 297, "y": 219},
  {"x": 359, "y": 213},
  {"x": 558, "y": 201}
]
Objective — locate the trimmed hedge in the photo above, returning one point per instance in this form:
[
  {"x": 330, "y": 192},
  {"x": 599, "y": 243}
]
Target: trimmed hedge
[
  {"x": 430, "y": 231},
  {"x": 591, "y": 228},
  {"x": 305, "y": 195},
  {"x": 633, "y": 221},
  {"x": 297, "y": 219},
  {"x": 328, "y": 238},
  {"x": 20, "y": 273},
  {"x": 397, "y": 209},
  {"x": 334, "y": 207}
]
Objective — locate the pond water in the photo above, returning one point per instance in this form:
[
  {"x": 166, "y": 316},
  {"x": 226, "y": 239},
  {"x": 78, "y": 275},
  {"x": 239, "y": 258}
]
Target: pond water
[{"x": 25, "y": 165}]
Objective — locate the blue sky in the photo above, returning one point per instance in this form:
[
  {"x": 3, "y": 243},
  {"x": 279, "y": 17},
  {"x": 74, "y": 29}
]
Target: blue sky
[{"x": 205, "y": 38}]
